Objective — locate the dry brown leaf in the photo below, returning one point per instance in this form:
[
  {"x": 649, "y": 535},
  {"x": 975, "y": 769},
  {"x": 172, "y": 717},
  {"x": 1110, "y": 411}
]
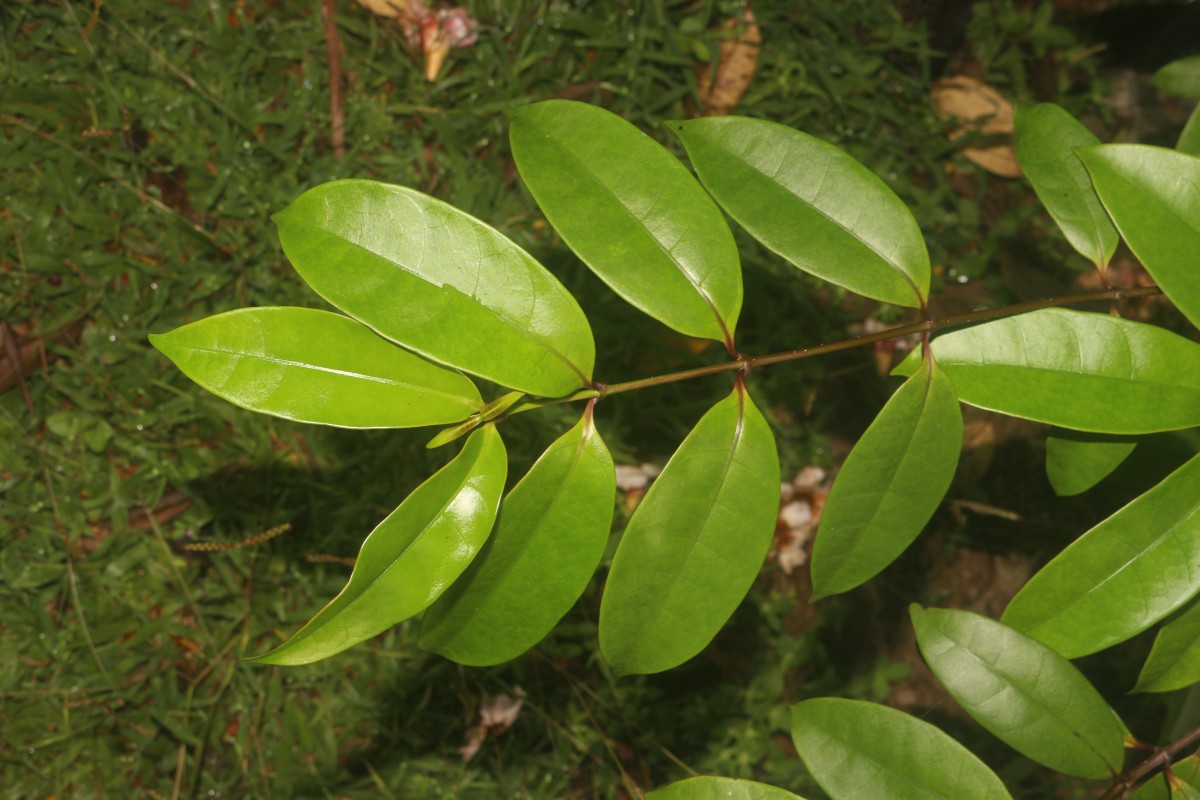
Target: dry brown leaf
[
  {"x": 722, "y": 86},
  {"x": 982, "y": 111},
  {"x": 494, "y": 717}
]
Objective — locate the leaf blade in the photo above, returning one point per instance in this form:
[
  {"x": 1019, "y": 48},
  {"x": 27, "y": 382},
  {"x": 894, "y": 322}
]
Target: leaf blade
[
  {"x": 703, "y": 787},
  {"x": 411, "y": 557},
  {"x": 891, "y": 483},
  {"x": 313, "y": 366},
  {"x": 862, "y": 238},
  {"x": 439, "y": 282},
  {"x": 1174, "y": 660},
  {"x": 1180, "y": 77},
  {"x": 1077, "y": 461},
  {"x": 690, "y": 553},
  {"x": 633, "y": 213},
  {"x": 550, "y": 536}
]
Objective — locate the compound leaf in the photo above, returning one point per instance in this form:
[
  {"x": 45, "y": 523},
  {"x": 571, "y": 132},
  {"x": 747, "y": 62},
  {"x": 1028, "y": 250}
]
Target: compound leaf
[
  {"x": 695, "y": 543},
  {"x": 412, "y": 556},
  {"x": 813, "y": 204},
  {"x": 707, "y": 788},
  {"x": 1153, "y": 195},
  {"x": 1077, "y": 460},
  {"x": 859, "y": 750},
  {"x": 1122, "y": 576},
  {"x": 633, "y": 213},
  {"x": 891, "y": 483},
  {"x": 1180, "y": 77},
  {"x": 440, "y": 282},
  {"x": 1075, "y": 369},
  {"x": 1046, "y": 138},
  {"x": 1174, "y": 660},
  {"x": 1022, "y": 691},
  {"x": 314, "y": 366},
  {"x": 549, "y": 538}
]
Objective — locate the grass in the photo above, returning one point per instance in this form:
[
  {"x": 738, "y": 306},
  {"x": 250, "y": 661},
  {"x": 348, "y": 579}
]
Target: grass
[{"x": 143, "y": 147}]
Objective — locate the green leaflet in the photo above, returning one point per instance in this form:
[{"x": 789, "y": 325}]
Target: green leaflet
[
  {"x": 1046, "y": 138},
  {"x": 707, "y": 788},
  {"x": 549, "y": 538},
  {"x": 633, "y": 213},
  {"x": 695, "y": 543},
  {"x": 1189, "y": 138},
  {"x": 1122, "y": 576},
  {"x": 412, "y": 556},
  {"x": 1181, "y": 77},
  {"x": 1174, "y": 660},
  {"x": 440, "y": 282},
  {"x": 1076, "y": 460},
  {"x": 314, "y": 366},
  {"x": 858, "y": 750},
  {"x": 1074, "y": 369},
  {"x": 1153, "y": 195},
  {"x": 1185, "y": 769},
  {"x": 891, "y": 483},
  {"x": 1022, "y": 691},
  {"x": 813, "y": 204}
]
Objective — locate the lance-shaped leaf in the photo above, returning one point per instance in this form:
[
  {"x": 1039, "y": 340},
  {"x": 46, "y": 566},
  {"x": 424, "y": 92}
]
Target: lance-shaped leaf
[
  {"x": 1185, "y": 771},
  {"x": 1174, "y": 660},
  {"x": 858, "y": 750},
  {"x": 695, "y": 543},
  {"x": 1076, "y": 460},
  {"x": 1122, "y": 576},
  {"x": 1189, "y": 138},
  {"x": 708, "y": 788},
  {"x": 549, "y": 538},
  {"x": 1090, "y": 372},
  {"x": 633, "y": 213},
  {"x": 1153, "y": 195},
  {"x": 412, "y": 556},
  {"x": 1022, "y": 691},
  {"x": 1180, "y": 77},
  {"x": 314, "y": 366},
  {"x": 1045, "y": 142},
  {"x": 891, "y": 483},
  {"x": 813, "y": 204},
  {"x": 439, "y": 282}
]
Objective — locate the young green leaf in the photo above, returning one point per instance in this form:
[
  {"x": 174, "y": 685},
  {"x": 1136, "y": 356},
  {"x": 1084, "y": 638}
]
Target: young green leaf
[
  {"x": 1186, "y": 770},
  {"x": 813, "y": 204},
  {"x": 633, "y": 213},
  {"x": 1076, "y": 460},
  {"x": 695, "y": 543},
  {"x": 440, "y": 282},
  {"x": 549, "y": 538},
  {"x": 1174, "y": 660},
  {"x": 707, "y": 788},
  {"x": 858, "y": 750},
  {"x": 891, "y": 483},
  {"x": 1122, "y": 576},
  {"x": 1180, "y": 77},
  {"x": 1090, "y": 372},
  {"x": 412, "y": 556},
  {"x": 1022, "y": 691},
  {"x": 1151, "y": 194},
  {"x": 314, "y": 366},
  {"x": 1189, "y": 139},
  {"x": 1045, "y": 142}
]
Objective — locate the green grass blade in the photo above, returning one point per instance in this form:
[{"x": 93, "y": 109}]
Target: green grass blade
[{"x": 440, "y": 282}]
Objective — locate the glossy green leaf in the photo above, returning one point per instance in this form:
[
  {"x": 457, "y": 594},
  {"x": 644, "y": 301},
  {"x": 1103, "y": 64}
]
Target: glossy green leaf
[
  {"x": 1045, "y": 142},
  {"x": 1122, "y": 576},
  {"x": 695, "y": 543},
  {"x": 858, "y": 750},
  {"x": 707, "y": 788},
  {"x": 633, "y": 213},
  {"x": 314, "y": 366},
  {"x": 1074, "y": 369},
  {"x": 412, "y": 556},
  {"x": 1180, "y": 77},
  {"x": 1182, "y": 790},
  {"x": 1026, "y": 694},
  {"x": 439, "y": 282},
  {"x": 1174, "y": 660},
  {"x": 1077, "y": 460},
  {"x": 549, "y": 538},
  {"x": 813, "y": 204},
  {"x": 1189, "y": 138},
  {"x": 1153, "y": 195},
  {"x": 1186, "y": 770},
  {"x": 891, "y": 483}
]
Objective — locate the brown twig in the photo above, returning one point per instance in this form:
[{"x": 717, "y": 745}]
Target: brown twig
[
  {"x": 333, "y": 46},
  {"x": 1159, "y": 758},
  {"x": 13, "y": 353}
]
